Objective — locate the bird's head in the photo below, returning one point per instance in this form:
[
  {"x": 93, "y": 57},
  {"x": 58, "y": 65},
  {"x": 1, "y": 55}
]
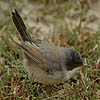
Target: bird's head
[{"x": 73, "y": 59}]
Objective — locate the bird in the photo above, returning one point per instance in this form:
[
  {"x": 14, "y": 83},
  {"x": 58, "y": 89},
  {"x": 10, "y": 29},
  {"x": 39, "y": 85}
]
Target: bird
[{"x": 47, "y": 63}]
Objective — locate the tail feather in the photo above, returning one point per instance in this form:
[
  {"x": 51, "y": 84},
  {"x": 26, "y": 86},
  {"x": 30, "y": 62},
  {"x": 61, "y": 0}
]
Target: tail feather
[{"x": 21, "y": 26}]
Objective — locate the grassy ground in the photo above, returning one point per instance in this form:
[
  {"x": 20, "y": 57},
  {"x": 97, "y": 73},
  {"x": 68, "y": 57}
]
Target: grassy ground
[{"x": 15, "y": 83}]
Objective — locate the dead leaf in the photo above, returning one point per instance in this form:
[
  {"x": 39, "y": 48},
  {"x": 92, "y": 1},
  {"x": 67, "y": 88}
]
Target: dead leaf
[
  {"x": 98, "y": 64},
  {"x": 98, "y": 94},
  {"x": 1, "y": 70}
]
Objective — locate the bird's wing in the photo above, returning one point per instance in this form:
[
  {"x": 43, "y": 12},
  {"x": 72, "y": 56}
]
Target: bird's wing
[{"x": 44, "y": 57}]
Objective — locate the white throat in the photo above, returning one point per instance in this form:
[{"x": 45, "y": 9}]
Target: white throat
[{"x": 71, "y": 73}]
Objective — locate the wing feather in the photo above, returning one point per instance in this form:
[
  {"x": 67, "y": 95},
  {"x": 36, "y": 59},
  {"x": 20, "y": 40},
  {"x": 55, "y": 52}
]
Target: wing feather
[{"x": 35, "y": 54}]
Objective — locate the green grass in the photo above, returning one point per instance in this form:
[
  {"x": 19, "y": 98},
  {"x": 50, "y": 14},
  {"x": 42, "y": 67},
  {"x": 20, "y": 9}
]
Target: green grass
[{"x": 14, "y": 80}]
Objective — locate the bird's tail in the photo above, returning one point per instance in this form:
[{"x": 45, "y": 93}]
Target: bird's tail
[{"x": 17, "y": 20}]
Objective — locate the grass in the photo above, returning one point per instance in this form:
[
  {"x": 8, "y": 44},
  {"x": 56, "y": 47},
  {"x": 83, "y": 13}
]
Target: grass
[{"x": 16, "y": 85}]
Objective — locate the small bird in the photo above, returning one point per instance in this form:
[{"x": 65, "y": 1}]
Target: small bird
[{"x": 47, "y": 63}]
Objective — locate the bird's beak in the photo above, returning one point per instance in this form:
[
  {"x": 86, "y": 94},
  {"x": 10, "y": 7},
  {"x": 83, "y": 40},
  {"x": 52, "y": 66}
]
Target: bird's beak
[{"x": 84, "y": 64}]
